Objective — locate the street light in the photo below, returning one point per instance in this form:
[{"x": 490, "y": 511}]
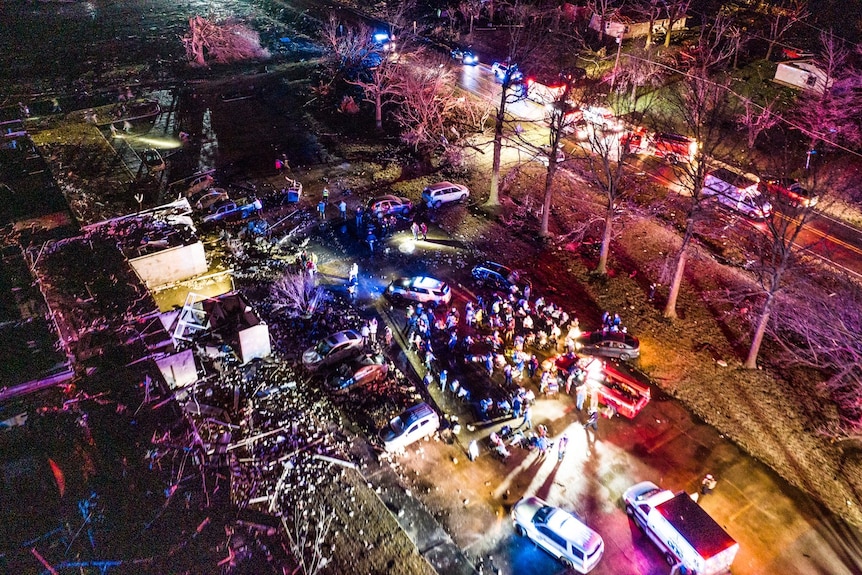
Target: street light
[{"x": 617, "y": 63}]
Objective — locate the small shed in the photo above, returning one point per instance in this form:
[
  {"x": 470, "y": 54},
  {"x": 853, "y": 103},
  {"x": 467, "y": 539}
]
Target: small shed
[{"x": 803, "y": 75}]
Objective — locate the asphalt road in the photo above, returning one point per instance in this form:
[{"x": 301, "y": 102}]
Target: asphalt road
[{"x": 824, "y": 236}]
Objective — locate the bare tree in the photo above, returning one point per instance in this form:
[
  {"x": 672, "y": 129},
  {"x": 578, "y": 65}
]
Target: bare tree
[
  {"x": 605, "y": 153},
  {"x": 350, "y": 48},
  {"x": 819, "y": 327},
  {"x": 221, "y": 43},
  {"x": 757, "y": 119},
  {"x": 523, "y": 41},
  {"x": 700, "y": 105},
  {"x": 779, "y": 251},
  {"x": 675, "y": 10},
  {"x": 561, "y": 120},
  {"x": 297, "y": 294},
  {"x": 306, "y": 535},
  {"x": 427, "y": 103},
  {"x": 829, "y": 112},
  {"x": 640, "y": 68},
  {"x": 379, "y": 83},
  {"x": 781, "y": 18},
  {"x": 603, "y": 9},
  {"x": 649, "y": 10}
]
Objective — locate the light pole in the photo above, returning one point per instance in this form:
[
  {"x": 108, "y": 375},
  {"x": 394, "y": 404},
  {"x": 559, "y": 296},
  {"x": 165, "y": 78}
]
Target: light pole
[{"x": 617, "y": 63}]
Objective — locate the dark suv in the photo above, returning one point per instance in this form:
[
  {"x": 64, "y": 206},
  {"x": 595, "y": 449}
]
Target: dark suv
[{"x": 499, "y": 276}]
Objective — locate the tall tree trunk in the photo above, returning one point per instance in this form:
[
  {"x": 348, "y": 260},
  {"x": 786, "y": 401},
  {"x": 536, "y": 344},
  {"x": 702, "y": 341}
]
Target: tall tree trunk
[
  {"x": 378, "y": 111},
  {"x": 548, "y": 198},
  {"x": 606, "y": 240},
  {"x": 676, "y": 283},
  {"x": 769, "y": 50},
  {"x": 494, "y": 194},
  {"x": 754, "y": 350},
  {"x": 670, "y": 24},
  {"x": 679, "y": 271}
]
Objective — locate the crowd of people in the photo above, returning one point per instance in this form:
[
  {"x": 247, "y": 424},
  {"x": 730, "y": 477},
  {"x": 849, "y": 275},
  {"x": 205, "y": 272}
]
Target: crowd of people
[{"x": 496, "y": 345}]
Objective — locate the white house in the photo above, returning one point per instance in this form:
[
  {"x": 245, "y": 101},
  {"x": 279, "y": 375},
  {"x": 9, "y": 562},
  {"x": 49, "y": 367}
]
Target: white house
[{"x": 804, "y": 75}]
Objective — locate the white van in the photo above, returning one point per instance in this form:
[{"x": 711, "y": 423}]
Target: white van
[
  {"x": 415, "y": 423},
  {"x": 441, "y": 193},
  {"x": 559, "y": 533},
  {"x": 736, "y": 192},
  {"x": 681, "y": 529}
]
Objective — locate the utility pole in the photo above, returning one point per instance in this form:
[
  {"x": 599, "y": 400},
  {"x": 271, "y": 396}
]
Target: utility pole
[{"x": 617, "y": 63}]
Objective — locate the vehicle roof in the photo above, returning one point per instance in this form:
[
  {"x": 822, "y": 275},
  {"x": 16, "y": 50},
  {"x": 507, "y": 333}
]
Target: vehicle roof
[
  {"x": 342, "y": 336},
  {"x": 386, "y": 197},
  {"x": 221, "y": 203},
  {"x": 695, "y": 525},
  {"x": 495, "y": 266},
  {"x": 600, "y": 336},
  {"x": 732, "y": 178},
  {"x": 416, "y": 412},
  {"x": 570, "y": 527},
  {"x": 443, "y": 184},
  {"x": 207, "y": 192},
  {"x": 424, "y": 282}
]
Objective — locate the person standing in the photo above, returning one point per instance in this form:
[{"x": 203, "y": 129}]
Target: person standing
[
  {"x": 580, "y": 395},
  {"x": 342, "y": 209},
  {"x": 372, "y": 329},
  {"x": 561, "y": 447},
  {"x": 533, "y": 366},
  {"x": 528, "y": 417},
  {"x": 321, "y": 209},
  {"x": 708, "y": 484},
  {"x": 507, "y": 374},
  {"x": 365, "y": 333},
  {"x": 354, "y": 273},
  {"x": 414, "y": 227},
  {"x": 326, "y": 195},
  {"x": 423, "y": 227},
  {"x": 444, "y": 380},
  {"x": 358, "y": 216},
  {"x": 387, "y": 336},
  {"x": 473, "y": 450}
]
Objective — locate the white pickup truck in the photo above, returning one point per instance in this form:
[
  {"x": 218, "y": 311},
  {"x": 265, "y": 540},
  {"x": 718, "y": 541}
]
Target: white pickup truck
[{"x": 690, "y": 539}]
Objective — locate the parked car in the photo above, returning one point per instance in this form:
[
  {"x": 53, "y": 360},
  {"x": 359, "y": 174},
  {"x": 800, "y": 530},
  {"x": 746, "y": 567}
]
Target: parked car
[
  {"x": 559, "y": 533},
  {"x": 499, "y": 276},
  {"x": 421, "y": 288},
  {"x": 336, "y": 348},
  {"x": 204, "y": 199},
  {"x": 153, "y": 160},
  {"x": 441, "y": 193},
  {"x": 787, "y": 190},
  {"x": 612, "y": 344},
  {"x": 603, "y": 118},
  {"x": 501, "y": 69},
  {"x": 465, "y": 56},
  {"x": 229, "y": 210},
  {"x": 410, "y": 426},
  {"x": 736, "y": 192},
  {"x": 387, "y": 205},
  {"x": 368, "y": 369}
]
